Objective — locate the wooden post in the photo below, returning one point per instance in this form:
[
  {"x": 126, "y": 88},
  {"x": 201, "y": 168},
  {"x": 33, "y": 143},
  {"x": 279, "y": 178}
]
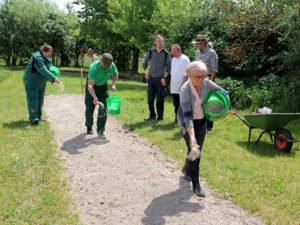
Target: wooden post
[{"x": 81, "y": 75}]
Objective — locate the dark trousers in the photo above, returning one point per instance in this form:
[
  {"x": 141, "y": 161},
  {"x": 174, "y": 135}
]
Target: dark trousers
[
  {"x": 210, "y": 125},
  {"x": 35, "y": 101},
  {"x": 156, "y": 90},
  {"x": 176, "y": 103},
  {"x": 102, "y": 94},
  {"x": 193, "y": 167}
]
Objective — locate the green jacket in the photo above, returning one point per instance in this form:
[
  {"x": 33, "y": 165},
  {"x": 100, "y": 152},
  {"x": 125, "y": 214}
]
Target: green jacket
[{"x": 37, "y": 71}]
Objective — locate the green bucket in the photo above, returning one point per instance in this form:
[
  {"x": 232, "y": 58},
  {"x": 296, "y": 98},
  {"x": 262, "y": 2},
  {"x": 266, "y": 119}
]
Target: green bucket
[
  {"x": 113, "y": 104},
  {"x": 55, "y": 71},
  {"x": 215, "y": 105}
]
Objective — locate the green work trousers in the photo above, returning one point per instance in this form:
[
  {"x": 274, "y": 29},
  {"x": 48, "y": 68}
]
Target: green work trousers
[
  {"x": 35, "y": 101},
  {"x": 102, "y": 94}
]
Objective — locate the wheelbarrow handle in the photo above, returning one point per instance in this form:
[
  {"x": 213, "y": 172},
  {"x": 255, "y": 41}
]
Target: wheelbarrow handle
[{"x": 241, "y": 118}]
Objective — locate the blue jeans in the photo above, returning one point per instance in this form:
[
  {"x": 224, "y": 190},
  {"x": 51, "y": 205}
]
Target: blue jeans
[{"x": 156, "y": 90}]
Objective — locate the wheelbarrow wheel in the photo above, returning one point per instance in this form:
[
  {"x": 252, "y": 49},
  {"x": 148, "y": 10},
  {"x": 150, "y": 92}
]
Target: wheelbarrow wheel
[{"x": 282, "y": 140}]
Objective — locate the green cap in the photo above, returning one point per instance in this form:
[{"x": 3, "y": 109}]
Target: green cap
[{"x": 107, "y": 60}]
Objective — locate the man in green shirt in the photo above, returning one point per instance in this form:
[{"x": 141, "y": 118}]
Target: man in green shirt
[{"x": 96, "y": 92}]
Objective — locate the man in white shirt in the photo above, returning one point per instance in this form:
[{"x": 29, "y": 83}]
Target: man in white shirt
[{"x": 178, "y": 74}]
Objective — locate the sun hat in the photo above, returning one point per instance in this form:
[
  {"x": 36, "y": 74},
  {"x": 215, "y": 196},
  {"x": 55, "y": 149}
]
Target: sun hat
[{"x": 107, "y": 60}]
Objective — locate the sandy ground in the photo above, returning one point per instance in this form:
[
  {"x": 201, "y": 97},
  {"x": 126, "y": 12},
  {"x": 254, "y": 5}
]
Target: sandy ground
[{"x": 126, "y": 180}]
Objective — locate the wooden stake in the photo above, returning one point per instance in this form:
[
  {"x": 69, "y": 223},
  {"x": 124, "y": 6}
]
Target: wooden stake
[{"x": 81, "y": 75}]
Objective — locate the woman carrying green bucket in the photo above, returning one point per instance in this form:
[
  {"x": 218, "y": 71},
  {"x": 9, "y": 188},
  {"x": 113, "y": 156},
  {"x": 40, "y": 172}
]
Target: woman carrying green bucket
[
  {"x": 192, "y": 119},
  {"x": 96, "y": 93}
]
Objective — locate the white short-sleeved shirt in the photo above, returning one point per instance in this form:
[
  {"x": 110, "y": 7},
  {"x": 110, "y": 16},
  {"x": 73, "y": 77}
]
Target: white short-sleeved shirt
[{"x": 178, "y": 66}]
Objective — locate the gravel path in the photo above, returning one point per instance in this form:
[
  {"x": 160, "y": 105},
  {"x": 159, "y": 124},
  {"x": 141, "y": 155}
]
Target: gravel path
[{"x": 127, "y": 180}]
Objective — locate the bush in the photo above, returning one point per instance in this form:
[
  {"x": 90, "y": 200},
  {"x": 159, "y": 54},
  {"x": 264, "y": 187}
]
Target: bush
[
  {"x": 281, "y": 94},
  {"x": 240, "y": 96}
]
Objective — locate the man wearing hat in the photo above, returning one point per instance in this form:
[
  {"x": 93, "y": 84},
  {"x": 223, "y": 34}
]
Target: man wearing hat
[
  {"x": 207, "y": 55},
  {"x": 96, "y": 92}
]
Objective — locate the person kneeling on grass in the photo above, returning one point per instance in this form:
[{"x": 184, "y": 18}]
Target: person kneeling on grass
[
  {"x": 192, "y": 121},
  {"x": 96, "y": 92}
]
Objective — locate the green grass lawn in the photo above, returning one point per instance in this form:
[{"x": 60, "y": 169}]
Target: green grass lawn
[
  {"x": 32, "y": 188},
  {"x": 261, "y": 179}
]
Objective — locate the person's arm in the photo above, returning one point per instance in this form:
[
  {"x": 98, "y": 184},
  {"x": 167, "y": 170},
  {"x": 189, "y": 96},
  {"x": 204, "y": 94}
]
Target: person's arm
[
  {"x": 114, "y": 82},
  {"x": 92, "y": 91},
  {"x": 214, "y": 66},
  {"x": 42, "y": 69},
  {"x": 146, "y": 61},
  {"x": 145, "y": 66},
  {"x": 168, "y": 66},
  {"x": 213, "y": 75},
  {"x": 186, "y": 106},
  {"x": 213, "y": 86},
  {"x": 184, "y": 79},
  {"x": 191, "y": 132}
]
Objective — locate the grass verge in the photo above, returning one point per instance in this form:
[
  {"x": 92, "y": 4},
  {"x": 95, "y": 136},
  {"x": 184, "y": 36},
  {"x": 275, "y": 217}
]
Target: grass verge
[{"x": 32, "y": 189}]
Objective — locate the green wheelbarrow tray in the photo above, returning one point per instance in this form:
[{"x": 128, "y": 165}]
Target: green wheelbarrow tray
[{"x": 269, "y": 123}]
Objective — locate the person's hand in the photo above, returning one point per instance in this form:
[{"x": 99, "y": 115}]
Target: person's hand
[
  {"x": 95, "y": 101},
  {"x": 163, "y": 81},
  {"x": 146, "y": 74},
  {"x": 57, "y": 80},
  {"x": 101, "y": 104},
  {"x": 113, "y": 88}
]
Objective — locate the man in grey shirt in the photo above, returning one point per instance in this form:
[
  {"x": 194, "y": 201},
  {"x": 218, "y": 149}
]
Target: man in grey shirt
[
  {"x": 207, "y": 55},
  {"x": 160, "y": 66}
]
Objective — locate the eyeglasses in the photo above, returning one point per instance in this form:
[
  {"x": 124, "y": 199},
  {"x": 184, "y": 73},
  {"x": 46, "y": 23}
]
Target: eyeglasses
[{"x": 198, "y": 77}]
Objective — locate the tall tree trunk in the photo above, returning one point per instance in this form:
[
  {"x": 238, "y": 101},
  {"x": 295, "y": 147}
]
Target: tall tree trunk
[
  {"x": 135, "y": 60},
  {"x": 14, "y": 61},
  {"x": 8, "y": 58}
]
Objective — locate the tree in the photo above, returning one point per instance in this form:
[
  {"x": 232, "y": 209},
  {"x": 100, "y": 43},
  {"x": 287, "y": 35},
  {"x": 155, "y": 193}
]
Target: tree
[
  {"x": 20, "y": 28},
  {"x": 27, "y": 24},
  {"x": 260, "y": 34}
]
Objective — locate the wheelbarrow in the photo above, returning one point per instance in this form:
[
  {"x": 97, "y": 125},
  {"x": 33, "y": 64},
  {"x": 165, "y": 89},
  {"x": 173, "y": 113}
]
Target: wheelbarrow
[{"x": 283, "y": 139}]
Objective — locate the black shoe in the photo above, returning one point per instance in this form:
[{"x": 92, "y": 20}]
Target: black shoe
[
  {"x": 159, "y": 119},
  {"x": 34, "y": 122},
  {"x": 149, "y": 119},
  {"x": 209, "y": 130},
  {"x": 198, "y": 191},
  {"x": 89, "y": 131},
  {"x": 197, "y": 188}
]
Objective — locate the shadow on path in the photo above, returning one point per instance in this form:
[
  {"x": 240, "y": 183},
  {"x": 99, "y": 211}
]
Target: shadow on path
[
  {"x": 80, "y": 142},
  {"x": 171, "y": 204}
]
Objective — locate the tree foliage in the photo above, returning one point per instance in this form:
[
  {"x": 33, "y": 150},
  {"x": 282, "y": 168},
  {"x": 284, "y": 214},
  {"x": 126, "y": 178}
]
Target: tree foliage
[{"x": 27, "y": 24}]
